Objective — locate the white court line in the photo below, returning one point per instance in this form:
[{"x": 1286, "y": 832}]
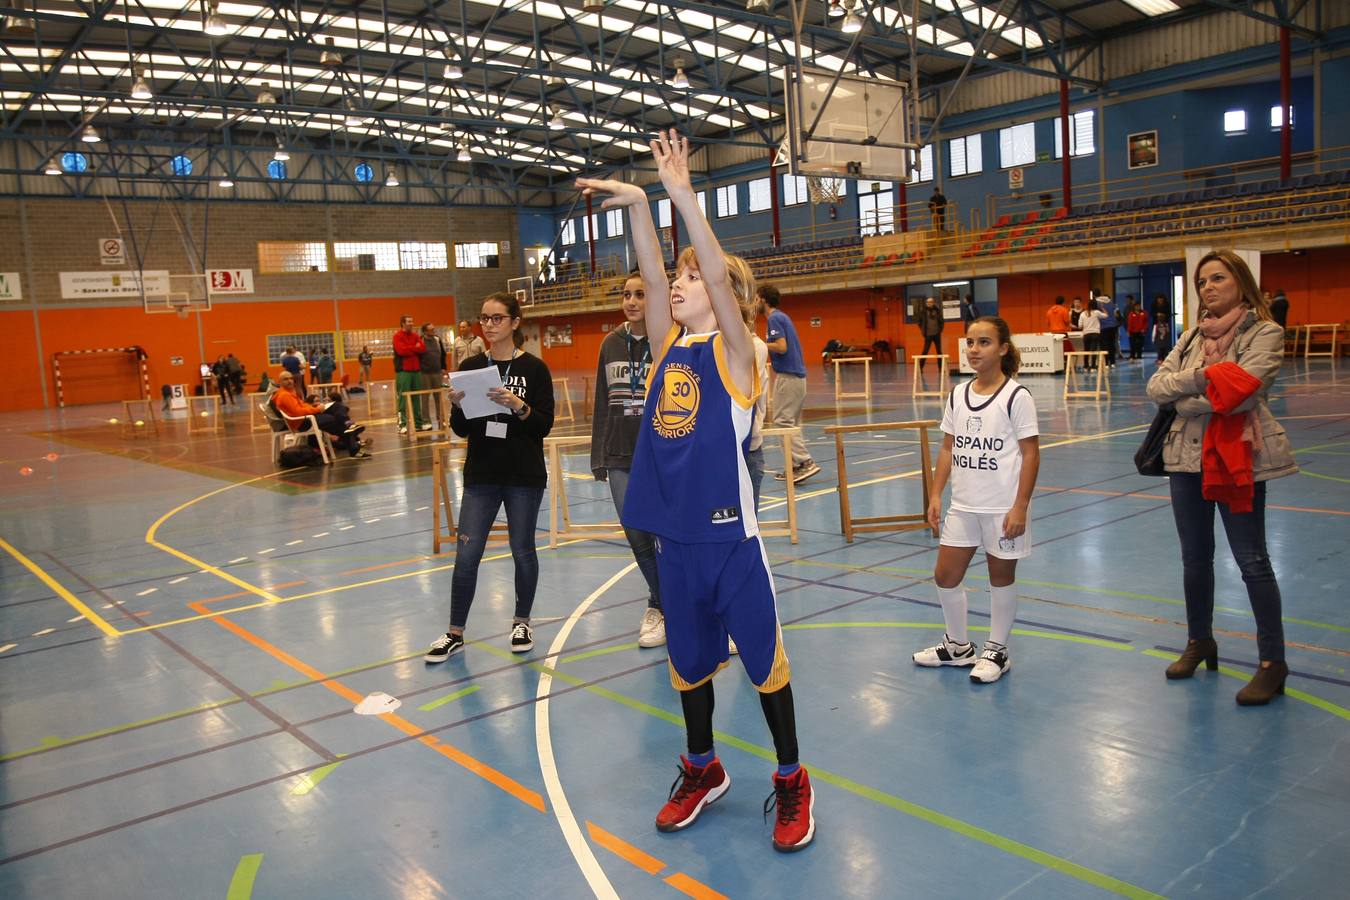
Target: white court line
[
  {"x": 50, "y": 630},
  {"x": 294, "y": 542},
  {"x": 395, "y": 515},
  {"x": 346, "y": 527},
  {"x": 7, "y": 648},
  {"x": 146, "y": 591},
  {"x": 179, "y": 580},
  {"x": 422, "y": 509},
  {"x": 237, "y": 559},
  {"x": 320, "y": 534},
  {"x": 268, "y": 550},
  {"x": 372, "y": 521},
  {"x": 75, "y": 619},
  {"x": 581, "y": 851}
]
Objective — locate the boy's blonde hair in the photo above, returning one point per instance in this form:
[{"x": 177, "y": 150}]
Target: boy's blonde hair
[{"x": 742, "y": 281}]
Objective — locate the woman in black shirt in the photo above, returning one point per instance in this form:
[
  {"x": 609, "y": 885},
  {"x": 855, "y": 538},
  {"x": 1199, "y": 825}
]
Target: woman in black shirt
[{"x": 504, "y": 466}]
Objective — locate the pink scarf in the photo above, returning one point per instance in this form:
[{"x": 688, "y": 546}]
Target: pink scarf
[{"x": 1220, "y": 332}]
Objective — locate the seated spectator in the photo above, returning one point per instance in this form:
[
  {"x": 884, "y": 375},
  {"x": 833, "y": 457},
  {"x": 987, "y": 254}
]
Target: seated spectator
[{"x": 346, "y": 434}]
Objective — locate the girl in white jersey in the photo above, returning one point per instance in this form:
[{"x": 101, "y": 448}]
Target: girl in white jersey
[{"x": 991, "y": 454}]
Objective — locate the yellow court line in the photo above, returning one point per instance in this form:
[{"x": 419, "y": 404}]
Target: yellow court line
[{"x": 60, "y": 590}]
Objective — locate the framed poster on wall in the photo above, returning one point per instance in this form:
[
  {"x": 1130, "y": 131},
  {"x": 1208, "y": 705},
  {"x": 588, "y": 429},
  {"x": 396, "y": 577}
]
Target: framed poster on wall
[{"x": 1142, "y": 149}]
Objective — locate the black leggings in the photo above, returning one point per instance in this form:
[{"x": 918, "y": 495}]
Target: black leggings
[{"x": 778, "y": 713}]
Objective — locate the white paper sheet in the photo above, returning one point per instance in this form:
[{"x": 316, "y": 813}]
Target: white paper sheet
[{"x": 475, "y": 383}]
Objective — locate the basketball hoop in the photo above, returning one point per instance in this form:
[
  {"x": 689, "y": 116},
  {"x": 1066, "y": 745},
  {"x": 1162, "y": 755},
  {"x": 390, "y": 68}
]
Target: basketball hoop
[{"x": 824, "y": 191}]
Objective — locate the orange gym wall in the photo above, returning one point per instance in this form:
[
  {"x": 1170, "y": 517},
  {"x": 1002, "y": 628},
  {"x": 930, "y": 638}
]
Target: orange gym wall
[{"x": 238, "y": 328}]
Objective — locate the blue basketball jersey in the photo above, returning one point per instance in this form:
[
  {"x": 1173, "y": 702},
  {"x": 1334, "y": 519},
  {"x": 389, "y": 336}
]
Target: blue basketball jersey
[{"x": 690, "y": 482}]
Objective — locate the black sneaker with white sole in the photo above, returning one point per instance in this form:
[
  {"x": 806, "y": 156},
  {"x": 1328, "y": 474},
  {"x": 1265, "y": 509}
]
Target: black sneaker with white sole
[
  {"x": 443, "y": 646},
  {"x": 805, "y": 471},
  {"x": 522, "y": 638}
]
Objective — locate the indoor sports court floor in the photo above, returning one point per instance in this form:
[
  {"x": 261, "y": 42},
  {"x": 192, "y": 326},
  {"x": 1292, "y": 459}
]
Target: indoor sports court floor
[{"x": 184, "y": 633}]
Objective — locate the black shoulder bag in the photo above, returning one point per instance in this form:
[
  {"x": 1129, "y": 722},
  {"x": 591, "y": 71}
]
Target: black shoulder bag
[{"x": 1148, "y": 459}]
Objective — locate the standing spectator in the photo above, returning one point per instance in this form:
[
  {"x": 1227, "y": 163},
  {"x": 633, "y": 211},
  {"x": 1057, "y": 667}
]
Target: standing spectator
[
  {"x": 364, "y": 359},
  {"x": 433, "y": 375},
  {"x": 1223, "y": 449},
  {"x": 408, "y": 348},
  {"x": 235, "y": 370},
  {"x": 467, "y": 344},
  {"x": 324, "y": 368},
  {"x": 620, "y": 398},
  {"x": 1057, "y": 317},
  {"x": 293, "y": 361},
  {"x": 969, "y": 312},
  {"x": 1110, "y": 328},
  {"x": 937, "y": 210},
  {"x": 1162, "y": 338},
  {"x": 220, "y": 371},
  {"x": 789, "y": 383},
  {"x": 754, "y": 452},
  {"x": 504, "y": 466},
  {"x": 1161, "y": 309},
  {"x": 1279, "y": 309},
  {"x": 1090, "y": 323},
  {"x": 931, "y": 324},
  {"x": 1076, "y": 315},
  {"x": 1136, "y": 323}
]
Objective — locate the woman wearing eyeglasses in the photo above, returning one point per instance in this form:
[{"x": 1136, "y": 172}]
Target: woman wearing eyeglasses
[{"x": 504, "y": 467}]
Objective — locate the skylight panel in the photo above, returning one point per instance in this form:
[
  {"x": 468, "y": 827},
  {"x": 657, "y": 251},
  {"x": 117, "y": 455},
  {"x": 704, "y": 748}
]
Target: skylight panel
[{"x": 1153, "y": 7}]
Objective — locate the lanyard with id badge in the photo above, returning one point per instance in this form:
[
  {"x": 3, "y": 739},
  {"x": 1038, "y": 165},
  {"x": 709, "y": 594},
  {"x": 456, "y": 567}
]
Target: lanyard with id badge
[
  {"x": 633, "y": 405},
  {"x": 494, "y": 427}
]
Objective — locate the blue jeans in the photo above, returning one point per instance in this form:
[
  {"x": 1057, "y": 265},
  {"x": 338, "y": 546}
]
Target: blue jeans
[
  {"x": 477, "y": 511},
  {"x": 643, "y": 543},
  {"x": 1247, "y": 538},
  {"x": 754, "y": 461}
]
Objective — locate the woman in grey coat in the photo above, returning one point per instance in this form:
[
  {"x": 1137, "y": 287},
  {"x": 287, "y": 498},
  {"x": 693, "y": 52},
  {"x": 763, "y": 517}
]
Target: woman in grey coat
[{"x": 1235, "y": 326}]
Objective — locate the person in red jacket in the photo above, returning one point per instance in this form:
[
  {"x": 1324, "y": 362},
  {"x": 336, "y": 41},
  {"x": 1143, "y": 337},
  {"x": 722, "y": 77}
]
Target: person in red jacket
[
  {"x": 1136, "y": 323},
  {"x": 408, "y": 350},
  {"x": 347, "y": 435}
]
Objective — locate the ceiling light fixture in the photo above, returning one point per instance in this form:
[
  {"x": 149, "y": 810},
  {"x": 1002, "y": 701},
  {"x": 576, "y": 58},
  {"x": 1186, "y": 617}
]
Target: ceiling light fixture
[
  {"x": 280, "y": 155},
  {"x": 753, "y": 5},
  {"x": 836, "y": 8},
  {"x": 353, "y": 119},
  {"x": 681, "y": 81},
  {"x": 215, "y": 25},
  {"x": 90, "y": 135},
  {"x": 330, "y": 57},
  {"x": 453, "y": 72},
  {"x": 502, "y": 129},
  {"x": 555, "y": 122},
  {"x": 20, "y": 24},
  {"x": 140, "y": 88},
  {"x": 464, "y": 154},
  {"x": 391, "y": 180},
  {"x": 265, "y": 95},
  {"x": 593, "y": 6},
  {"x": 852, "y": 23},
  {"x": 225, "y": 182},
  {"x": 53, "y": 167}
]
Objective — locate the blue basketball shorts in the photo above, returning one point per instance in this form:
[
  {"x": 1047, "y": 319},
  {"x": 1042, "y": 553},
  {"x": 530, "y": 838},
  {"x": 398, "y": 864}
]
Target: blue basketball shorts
[{"x": 710, "y": 591}]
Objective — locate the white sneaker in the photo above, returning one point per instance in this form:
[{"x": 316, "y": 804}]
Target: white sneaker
[
  {"x": 426, "y": 426},
  {"x": 403, "y": 429},
  {"x": 652, "y": 632},
  {"x": 946, "y": 653},
  {"x": 993, "y": 663}
]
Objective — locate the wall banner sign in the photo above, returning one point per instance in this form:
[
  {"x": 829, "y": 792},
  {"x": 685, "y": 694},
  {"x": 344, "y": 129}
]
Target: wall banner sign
[
  {"x": 99, "y": 285},
  {"x": 10, "y": 287},
  {"x": 229, "y": 281}
]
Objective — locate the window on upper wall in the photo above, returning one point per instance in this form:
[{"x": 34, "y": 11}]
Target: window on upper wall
[
  {"x": 275, "y": 257},
  {"x": 876, "y": 213},
  {"x": 614, "y": 222},
  {"x": 478, "y": 255},
  {"x": 702, "y": 198},
  {"x": 923, "y": 165},
  {"x": 1017, "y": 145},
  {"x": 965, "y": 156},
  {"x": 569, "y": 233},
  {"x": 1277, "y": 117},
  {"x": 759, "y": 195},
  {"x": 1235, "y": 121},
  {"x": 663, "y": 213},
  {"x": 1082, "y": 135},
  {"x": 365, "y": 256},
  {"x": 726, "y": 201},
  {"x": 794, "y": 190},
  {"x": 590, "y": 225},
  {"x": 422, "y": 255}
]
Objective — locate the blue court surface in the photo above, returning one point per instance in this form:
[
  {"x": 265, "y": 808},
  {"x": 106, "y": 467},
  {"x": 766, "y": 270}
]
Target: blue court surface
[{"x": 184, "y": 632}]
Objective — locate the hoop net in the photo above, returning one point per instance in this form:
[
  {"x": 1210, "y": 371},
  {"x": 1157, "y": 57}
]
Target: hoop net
[{"x": 823, "y": 191}]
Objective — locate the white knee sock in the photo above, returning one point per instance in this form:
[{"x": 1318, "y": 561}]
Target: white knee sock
[
  {"x": 1002, "y": 612},
  {"x": 954, "y": 612}
]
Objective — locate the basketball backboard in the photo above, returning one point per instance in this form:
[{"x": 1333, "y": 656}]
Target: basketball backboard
[
  {"x": 522, "y": 289},
  {"x": 845, "y": 125},
  {"x": 185, "y": 293}
]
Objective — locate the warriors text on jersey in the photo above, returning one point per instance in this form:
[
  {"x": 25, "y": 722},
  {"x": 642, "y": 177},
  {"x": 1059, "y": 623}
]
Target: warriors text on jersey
[{"x": 986, "y": 458}]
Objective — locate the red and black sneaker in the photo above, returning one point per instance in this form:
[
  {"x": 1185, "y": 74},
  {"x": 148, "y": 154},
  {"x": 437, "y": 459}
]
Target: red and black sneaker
[
  {"x": 796, "y": 823},
  {"x": 694, "y": 789}
]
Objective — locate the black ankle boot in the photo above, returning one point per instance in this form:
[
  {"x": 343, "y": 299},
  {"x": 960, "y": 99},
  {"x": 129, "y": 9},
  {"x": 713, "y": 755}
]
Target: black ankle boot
[
  {"x": 1265, "y": 684},
  {"x": 1204, "y": 650}
]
